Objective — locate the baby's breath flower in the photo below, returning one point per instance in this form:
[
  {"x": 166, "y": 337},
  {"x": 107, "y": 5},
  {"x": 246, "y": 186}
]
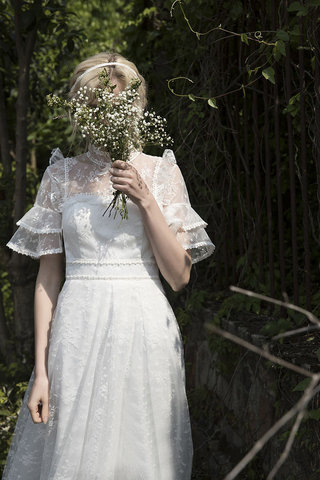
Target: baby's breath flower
[{"x": 115, "y": 124}]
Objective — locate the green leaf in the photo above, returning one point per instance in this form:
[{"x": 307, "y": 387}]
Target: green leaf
[
  {"x": 268, "y": 74},
  {"x": 303, "y": 12},
  {"x": 244, "y": 38},
  {"x": 279, "y": 50},
  {"x": 299, "y": 8},
  {"x": 283, "y": 35},
  {"x": 212, "y": 102},
  {"x": 191, "y": 97},
  {"x": 318, "y": 354},
  {"x": 4, "y": 412},
  {"x": 301, "y": 386},
  {"x": 295, "y": 98},
  {"x": 292, "y": 109},
  {"x": 294, "y": 32},
  {"x": 281, "y": 47},
  {"x": 295, "y": 7}
]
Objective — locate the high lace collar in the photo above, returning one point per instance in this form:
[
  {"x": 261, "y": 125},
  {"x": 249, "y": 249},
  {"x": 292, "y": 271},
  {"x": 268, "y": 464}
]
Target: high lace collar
[
  {"x": 98, "y": 156},
  {"x": 103, "y": 159}
]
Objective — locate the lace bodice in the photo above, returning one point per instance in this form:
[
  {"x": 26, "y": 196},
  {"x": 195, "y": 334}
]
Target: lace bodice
[{"x": 67, "y": 215}]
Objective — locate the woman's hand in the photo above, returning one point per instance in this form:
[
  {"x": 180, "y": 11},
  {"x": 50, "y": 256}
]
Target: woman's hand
[
  {"x": 38, "y": 402},
  {"x": 126, "y": 179}
]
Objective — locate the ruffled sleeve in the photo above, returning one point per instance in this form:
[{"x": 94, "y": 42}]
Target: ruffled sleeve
[
  {"x": 40, "y": 231},
  {"x": 184, "y": 221}
]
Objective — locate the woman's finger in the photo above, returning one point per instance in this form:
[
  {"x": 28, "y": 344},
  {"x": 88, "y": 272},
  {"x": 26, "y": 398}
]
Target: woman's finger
[
  {"x": 121, "y": 164},
  {"x": 45, "y": 411},
  {"x": 119, "y": 172},
  {"x": 35, "y": 410},
  {"x": 120, "y": 180}
]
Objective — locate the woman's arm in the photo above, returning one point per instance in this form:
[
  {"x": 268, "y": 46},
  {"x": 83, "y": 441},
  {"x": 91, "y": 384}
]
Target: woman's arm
[
  {"x": 173, "y": 260},
  {"x": 46, "y": 294}
]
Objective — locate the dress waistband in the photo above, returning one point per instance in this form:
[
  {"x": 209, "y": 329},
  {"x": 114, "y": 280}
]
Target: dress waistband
[{"x": 111, "y": 269}]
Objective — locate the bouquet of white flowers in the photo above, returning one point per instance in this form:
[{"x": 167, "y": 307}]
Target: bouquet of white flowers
[{"x": 114, "y": 123}]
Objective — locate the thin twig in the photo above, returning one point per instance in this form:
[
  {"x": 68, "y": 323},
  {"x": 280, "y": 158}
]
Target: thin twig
[
  {"x": 257, "y": 34},
  {"x": 288, "y": 446},
  {"x": 289, "y": 333},
  {"x": 305, "y": 312},
  {"x": 258, "y": 350},
  {"x": 299, "y": 406}
]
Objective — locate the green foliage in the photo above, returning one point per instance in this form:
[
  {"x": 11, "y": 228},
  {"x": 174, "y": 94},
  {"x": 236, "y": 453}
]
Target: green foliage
[
  {"x": 13, "y": 384},
  {"x": 191, "y": 307},
  {"x": 238, "y": 303},
  {"x": 276, "y": 326},
  {"x": 313, "y": 414},
  {"x": 293, "y": 106},
  {"x": 244, "y": 38},
  {"x": 6, "y": 295},
  {"x": 301, "y": 386},
  {"x": 212, "y": 102},
  {"x": 299, "y": 8},
  {"x": 268, "y": 73},
  {"x": 278, "y": 51},
  {"x": 226, "y": 354}
]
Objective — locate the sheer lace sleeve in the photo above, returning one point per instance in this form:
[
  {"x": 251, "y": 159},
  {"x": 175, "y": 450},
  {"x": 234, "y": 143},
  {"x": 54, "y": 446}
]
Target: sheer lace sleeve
[
  {"x": 40, "y": 231},
  {"x": 189, "y": 227}
]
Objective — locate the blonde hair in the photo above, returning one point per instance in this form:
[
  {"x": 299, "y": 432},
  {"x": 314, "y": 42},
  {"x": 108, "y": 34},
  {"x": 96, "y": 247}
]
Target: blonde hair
[{"x": 121, "y": 73}]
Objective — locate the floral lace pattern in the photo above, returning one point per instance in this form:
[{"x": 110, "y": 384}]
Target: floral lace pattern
[
  {"x": 66, "y": 180},
  {"x": 117, "y": 408},
  {"x": 171, "y": 191}
]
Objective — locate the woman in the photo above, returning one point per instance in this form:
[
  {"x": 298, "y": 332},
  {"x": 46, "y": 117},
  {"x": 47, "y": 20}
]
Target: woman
[{"x": 106, "y": 399}]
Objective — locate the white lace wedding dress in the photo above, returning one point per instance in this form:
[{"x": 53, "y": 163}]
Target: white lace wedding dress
[{"x": 118, "y": 407}]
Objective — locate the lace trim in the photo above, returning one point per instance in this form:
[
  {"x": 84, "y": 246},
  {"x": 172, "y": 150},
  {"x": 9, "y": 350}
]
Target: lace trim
[
  {"x": 125, "y": 261},
  {"x": 169, "y": 156},
  {"x": 192, "y": 226},
  {"x": 204, "y": 253},
  {"x": 94, "y": 153},
  {"x": 202, "y": 224},
  {"x": 24, "y": 251},
  {"x": 202, "y": 257},
  {"x": 91, "y": 277},
  {"x": 199, "y": 244},
  {"x": 56, "y": 155},
  {"x": 89, "y": 194},
  {"x": 42, "y": 231}
]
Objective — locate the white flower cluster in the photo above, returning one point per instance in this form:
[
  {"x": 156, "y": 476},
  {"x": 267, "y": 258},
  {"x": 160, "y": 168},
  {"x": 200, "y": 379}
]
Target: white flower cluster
[{"x": 115, "y": 123}]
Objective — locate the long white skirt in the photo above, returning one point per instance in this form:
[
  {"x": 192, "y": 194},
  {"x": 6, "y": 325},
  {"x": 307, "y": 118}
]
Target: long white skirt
[{"x": 118, "y": 408}]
